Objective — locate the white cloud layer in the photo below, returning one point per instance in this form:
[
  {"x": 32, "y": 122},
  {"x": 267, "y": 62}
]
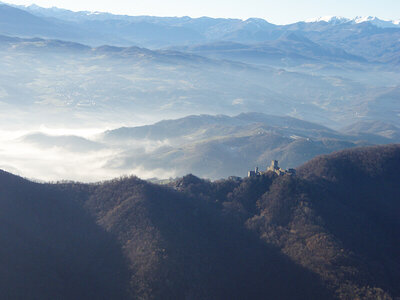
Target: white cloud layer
[{"x": 56, "y": 163}]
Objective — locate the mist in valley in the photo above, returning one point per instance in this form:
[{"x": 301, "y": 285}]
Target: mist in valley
[
  {"x": 126, "y": 144},
  {"x": 62, "y": 90}
]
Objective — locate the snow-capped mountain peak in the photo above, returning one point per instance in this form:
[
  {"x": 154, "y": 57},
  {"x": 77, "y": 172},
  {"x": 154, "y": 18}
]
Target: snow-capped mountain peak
[
  {"x": 360, "y": 19},
  {"x": 357, "y": 20},
  {"x": 377, "y": 22},
  {"x": 328, "y": 19}
]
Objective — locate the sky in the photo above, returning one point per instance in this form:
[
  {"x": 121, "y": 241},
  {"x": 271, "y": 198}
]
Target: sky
[{"x": 277, "y": 12}]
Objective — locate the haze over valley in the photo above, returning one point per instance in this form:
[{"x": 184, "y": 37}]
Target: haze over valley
[
  {"x": 67, "y": 77},
  {"x": 149, "y": 157},
  {"x": 210, "y": 146}
]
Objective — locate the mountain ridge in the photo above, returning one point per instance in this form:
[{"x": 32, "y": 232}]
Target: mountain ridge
[
  {"x": 252, "y": 236},
  {"x": 357, "y": 19},
  {"x": 136, "y": 30},
  {"x": 212, "y": 146}
]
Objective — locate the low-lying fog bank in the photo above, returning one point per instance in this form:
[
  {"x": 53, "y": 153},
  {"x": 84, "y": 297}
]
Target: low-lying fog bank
[{"x": 208, "y": 146}]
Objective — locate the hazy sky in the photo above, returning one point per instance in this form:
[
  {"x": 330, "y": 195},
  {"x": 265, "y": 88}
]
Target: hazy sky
[{"x": 275, "y": 11}]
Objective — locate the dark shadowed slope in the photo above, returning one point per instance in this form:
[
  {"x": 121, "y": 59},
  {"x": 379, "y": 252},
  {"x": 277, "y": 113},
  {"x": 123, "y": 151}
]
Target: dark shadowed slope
[
  {"x": 52, "y": 249},
  {"x": 181, "y": 246},
  {"x": 176, "y": 246},
  {"x": 339, "y": 217},
  {"x": 332, "y": 231}
]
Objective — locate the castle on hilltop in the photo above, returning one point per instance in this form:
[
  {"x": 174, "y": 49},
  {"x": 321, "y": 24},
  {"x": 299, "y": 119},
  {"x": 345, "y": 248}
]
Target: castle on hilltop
[{"x": 274, "y": 167}]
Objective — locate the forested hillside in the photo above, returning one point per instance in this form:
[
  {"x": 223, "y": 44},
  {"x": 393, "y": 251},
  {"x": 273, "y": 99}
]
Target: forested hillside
[
  {"x": 52, "y": 248},
  {"x": 331, "y": 231}
]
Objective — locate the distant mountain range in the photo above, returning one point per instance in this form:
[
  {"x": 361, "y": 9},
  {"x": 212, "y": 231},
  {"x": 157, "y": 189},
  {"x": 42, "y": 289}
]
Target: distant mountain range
[
  {"x": 90, "y": 15},
  {"x": 290, "y": 48},
  {"x": 357, "y": 20},
  {"x": 211, "y": 98},
  {"x": 330, "y": 232},
  {"x": 353, "y": 61},
  {"x": 219, "y": 146},
  {"x": 156, "y": 32},
  {"x": 77, "y": 70},
  {"x": 207, "y": 146},
  {"x": 72, "y": 83}
]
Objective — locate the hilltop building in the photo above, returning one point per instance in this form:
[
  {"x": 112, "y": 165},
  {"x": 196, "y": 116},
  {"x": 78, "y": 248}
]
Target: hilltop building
[
  {"x": 274, "y": 167},
  {"x": 253, "y": 173}
]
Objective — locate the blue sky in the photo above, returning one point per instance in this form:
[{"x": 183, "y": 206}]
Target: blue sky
[{"x": 275, "y": 11}]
